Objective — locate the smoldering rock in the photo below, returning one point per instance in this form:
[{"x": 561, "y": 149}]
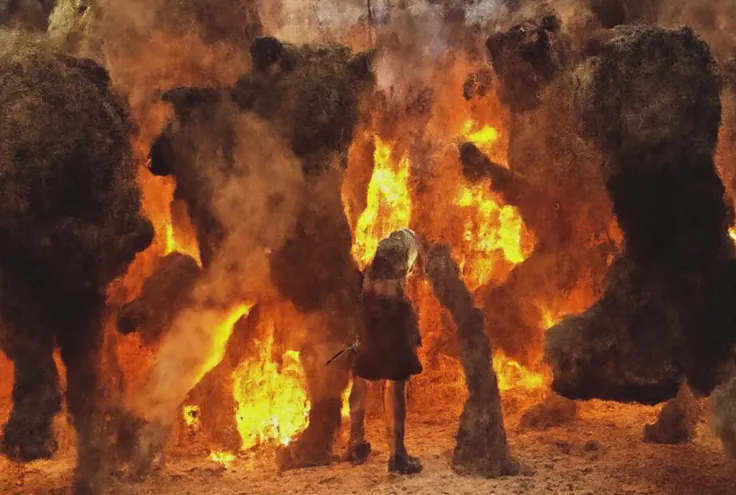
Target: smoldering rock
[
  {"x": 478, "y": 85},
  {"x": 310, "y": 93},
  {"x": 71, "y": 220},
  {"x": 612, "y": 351},
  {"x": 164, "y": 293},
  {"x": 676, "y": 422},
  {"x": 481, "y": 448},
  {"x": 666, "y": 312}
]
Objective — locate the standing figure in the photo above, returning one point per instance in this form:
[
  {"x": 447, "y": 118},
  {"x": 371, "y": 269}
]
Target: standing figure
[{"x": 387, "y": 348}]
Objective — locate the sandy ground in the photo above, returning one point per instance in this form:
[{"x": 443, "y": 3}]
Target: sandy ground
[{"x": 599, "y": 453}]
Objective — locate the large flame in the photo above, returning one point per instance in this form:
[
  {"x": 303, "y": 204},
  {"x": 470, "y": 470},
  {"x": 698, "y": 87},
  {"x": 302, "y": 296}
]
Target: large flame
[
  {"x": 271, "y": 397},
  {"x": 388, "y": 203},
  {"x": 492, "y": 231}
]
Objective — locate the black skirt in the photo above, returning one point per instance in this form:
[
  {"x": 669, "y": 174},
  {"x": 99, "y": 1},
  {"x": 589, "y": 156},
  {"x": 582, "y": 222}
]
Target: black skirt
[{"x": 389, "y": 341}]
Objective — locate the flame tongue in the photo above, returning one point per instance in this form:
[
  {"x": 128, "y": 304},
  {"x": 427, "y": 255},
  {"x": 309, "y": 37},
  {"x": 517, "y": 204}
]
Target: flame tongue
[
  {"x": 272, "y": 402},
  {"x": 388, "y": 203}
]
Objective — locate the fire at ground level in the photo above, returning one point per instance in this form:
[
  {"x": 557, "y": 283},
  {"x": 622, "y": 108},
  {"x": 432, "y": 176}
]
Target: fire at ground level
[{"x": 600, "y": 452}]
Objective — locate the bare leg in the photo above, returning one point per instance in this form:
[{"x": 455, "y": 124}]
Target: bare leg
[
  {"x": 395, "y": 400},
  {"x": 358, "y": 448}
]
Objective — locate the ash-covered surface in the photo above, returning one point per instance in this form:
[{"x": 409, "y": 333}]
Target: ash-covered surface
[
  {"x": 601, "y": 453},
  {"x": 651, "y": 103}
]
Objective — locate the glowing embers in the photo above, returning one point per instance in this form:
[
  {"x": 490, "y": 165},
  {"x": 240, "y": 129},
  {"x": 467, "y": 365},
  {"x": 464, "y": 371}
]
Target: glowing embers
[
  {"x": 388, "y": 203},
  {"x": 191, "y": 417},
  {"x": 272, "y": 400},
  {"x": 732, "y": 234}
]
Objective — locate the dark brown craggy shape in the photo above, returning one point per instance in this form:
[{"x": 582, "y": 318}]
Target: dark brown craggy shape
[
  {"x": 650, "y": 101},
  {"x": 232, "y": 21},
  {"x": 481, "y": 439},
  {"x": 676, "y": 422},
  {"x": 526, "y": 58},
  {"x": 26, "y": 14},
  {"x": 71, "y": 222},
  {"x": 549, "y": 179},
  {"x": 612, "y": 13},
  {"x": 309, "y": 95},
  {"x": 164, "y": 293}
]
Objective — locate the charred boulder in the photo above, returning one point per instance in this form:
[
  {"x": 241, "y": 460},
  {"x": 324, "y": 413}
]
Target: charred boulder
[
  {"x": 71, "y": 222},
  {"x": 164, "y": 293},
  {"x": 650, "y": 102},
  {"x": 526, "y": 58}
]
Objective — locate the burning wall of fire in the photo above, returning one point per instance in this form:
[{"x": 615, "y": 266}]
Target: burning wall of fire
[
  {"x": 384, "y": 189},
  {"x": 380, "y": 194}
]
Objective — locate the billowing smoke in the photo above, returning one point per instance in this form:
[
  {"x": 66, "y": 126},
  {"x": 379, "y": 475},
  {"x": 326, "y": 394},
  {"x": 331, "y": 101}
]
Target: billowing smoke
[{"x": 250, "y": 190}]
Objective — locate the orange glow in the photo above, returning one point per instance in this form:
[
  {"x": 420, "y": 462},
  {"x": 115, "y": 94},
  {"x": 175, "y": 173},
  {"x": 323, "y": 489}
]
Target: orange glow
[
  {"x": 484, "y": 138},
  {"x": 389, "y": 203},
  {"x": 221, "y": 335},
  {"x": 191, "y": 417},
  {"x": 491, "y": 232},
  {"x": 513, "y": 376},
  {"x": 224, "y": 458},
  {"x": 346, "y": 400},
  {"x": 732, "y": 234},
  {"x": 272, "y": 401}
]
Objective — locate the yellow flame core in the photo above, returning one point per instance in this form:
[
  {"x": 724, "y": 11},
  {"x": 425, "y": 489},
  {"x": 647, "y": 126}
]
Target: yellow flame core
[
  {"x": 222, "y": 335},
  {"x": 224, "y": 458},
  {"x": 346, "y": 400},
  {"x": 490, "y": 231},
  {"x": 483, "y": 138},
  {"x": 512, "y": 375},
  {"x": 272, "y": 403},
  {"x": 732, "y": 234},
  {"x": 388, "y": 203},
  {"x": 175, "y": 244}
]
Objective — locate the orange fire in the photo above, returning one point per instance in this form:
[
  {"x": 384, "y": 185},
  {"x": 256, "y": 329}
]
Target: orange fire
[
  {"x": 492, "y": 231},
  {"x": 224, "y": 458},
  {"x": 513, "y": 376},
  {"x": 388, "y": 203},
  {"x": 272, "y": 401}
]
